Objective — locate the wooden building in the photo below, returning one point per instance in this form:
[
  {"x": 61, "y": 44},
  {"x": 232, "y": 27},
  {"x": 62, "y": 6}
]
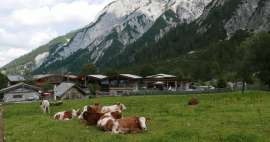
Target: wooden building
[
  {"x": 161, "y": 82},
  {"x": 101, "y": 80},
  {"x": 41, "y": 80},
  {"x": 68, "y": 91},
  {"x": 124, "y": 84},
  {"x": 20, "y": 92}
]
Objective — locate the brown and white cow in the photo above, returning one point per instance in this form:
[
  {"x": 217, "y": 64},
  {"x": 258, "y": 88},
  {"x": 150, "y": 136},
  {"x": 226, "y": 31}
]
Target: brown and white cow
[
  {"x": 91, "y": 118},
  {"x": 91, "y": 108},
  {"x": 113, "y": 108},
  {"x": 130, "y": 125},
  {"x": 107, "y": 121},
  {"x": 67, "y": 115}
]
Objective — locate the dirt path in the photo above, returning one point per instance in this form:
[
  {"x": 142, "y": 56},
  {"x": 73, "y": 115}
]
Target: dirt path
[{"x": 1, "y": 125}]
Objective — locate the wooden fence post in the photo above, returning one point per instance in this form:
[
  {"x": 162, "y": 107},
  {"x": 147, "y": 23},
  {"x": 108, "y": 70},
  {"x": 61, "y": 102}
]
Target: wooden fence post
[{"x": 1, "y": 125}]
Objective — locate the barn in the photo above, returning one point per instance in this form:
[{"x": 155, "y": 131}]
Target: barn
[
  {"x": 67, "y": 90},
  {"x": 20, "y": 92}
]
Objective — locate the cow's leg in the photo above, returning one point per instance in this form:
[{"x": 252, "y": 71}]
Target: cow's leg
[{"x": 115, "y": 128}]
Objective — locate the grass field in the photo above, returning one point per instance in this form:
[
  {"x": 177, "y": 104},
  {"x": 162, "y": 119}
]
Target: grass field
[{"x": 225, "y": 117}]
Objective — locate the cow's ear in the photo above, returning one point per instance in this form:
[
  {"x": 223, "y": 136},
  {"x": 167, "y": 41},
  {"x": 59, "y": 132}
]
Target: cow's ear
[
  {"x": 148, "y": 119},
  {"x": 118, "y": 103}
]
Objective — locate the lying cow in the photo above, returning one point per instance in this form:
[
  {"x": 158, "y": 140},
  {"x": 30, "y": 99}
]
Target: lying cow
[
  {"x": 45, "y": 106},
  {"x": 90, "y": 115},
  {"x": 66, "y": 115},
  {"x": 92, "y": 108},
  {"x": 112, "y": 121},
  {"x": 113, "y": 108},
  {"x": 129, "y": 125},
  {"x": 107, "y": 121}
]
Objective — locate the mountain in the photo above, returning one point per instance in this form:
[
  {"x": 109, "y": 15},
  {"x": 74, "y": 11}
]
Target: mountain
[{"x": 131, "y": 33}]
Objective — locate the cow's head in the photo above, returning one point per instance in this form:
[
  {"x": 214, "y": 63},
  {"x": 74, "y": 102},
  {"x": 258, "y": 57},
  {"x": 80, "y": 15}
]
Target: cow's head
[
  {"x": 122, "y": 106},
  {"x": 143, "y": 121},
  {"x": 76, "y": 113},
  {"x": 85, "y": 109},
  {"x": 116, "y": 115}
]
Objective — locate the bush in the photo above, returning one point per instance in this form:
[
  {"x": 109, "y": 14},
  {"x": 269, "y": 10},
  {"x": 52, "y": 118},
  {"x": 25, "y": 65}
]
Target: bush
[
  {"x": 221, "y": 83},
  {"x": 93, "y": 88}
]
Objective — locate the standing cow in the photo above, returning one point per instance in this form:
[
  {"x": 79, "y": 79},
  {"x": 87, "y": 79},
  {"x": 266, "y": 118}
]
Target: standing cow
[{"x": 45, "y": 106}]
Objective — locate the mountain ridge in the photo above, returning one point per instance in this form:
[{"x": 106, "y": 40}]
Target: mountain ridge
[{"x": 197, "y": 22}]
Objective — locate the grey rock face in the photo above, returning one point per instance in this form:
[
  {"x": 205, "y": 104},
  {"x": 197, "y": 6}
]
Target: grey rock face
[{"x": 251, "y": 15}]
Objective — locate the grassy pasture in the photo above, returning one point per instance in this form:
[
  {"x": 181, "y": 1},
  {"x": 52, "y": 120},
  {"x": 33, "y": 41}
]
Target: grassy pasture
[{"x": 225, "y": 117}]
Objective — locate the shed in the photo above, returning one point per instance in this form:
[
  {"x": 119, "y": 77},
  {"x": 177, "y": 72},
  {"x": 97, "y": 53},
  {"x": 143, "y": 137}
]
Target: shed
[
  {"x": 68, "y": 91},
  {"x": 20, "y": 92}
]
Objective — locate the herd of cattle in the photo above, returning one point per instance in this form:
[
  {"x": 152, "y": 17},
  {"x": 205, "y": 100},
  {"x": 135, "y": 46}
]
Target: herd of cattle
[{"x": 107, "y": 118}]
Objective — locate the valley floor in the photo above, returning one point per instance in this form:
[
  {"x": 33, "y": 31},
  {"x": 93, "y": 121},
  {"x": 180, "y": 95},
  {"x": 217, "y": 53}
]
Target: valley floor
[{"x": 225, "y": 117}]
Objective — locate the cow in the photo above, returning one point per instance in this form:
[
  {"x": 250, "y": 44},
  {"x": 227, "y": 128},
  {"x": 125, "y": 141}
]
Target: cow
[
  {"x": 113, "y": 108},
  {"x": 193, "y": 101},
  {"x": 66, "y": 115},
  {"x": 107, "y": 120},
  {"x": 91, "y": 118},
  {"x": 130, "y": 125},
  {"x": 92, "y": 108},
  {"x": 45, "y": 106}
]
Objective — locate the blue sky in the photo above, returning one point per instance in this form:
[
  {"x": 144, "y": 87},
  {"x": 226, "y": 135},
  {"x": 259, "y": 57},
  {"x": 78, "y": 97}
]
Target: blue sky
[{"x": 27, "y": 24}]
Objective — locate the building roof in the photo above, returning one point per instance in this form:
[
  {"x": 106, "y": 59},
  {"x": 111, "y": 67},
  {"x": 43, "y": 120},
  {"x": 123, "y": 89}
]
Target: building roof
[
  {"x": 18, "y": 86},
  {"x": 61, "y": 89},
  {"x": 15, "y": 78},
  {"x": 131, "y": 76},
  {"x": 158, "y": 76},
  {"x": 98, "y": 76},
  {"x": 36, "y": 77},
  {"x": 71, "y": 76}
]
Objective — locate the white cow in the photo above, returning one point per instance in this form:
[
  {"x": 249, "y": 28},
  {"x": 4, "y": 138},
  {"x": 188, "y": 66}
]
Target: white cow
[
  {"x": 45, "y": 106},
  {"x": 113, "y": 108}
]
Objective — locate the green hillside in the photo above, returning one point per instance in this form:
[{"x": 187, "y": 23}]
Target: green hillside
[{"x": 16, "y": 66}]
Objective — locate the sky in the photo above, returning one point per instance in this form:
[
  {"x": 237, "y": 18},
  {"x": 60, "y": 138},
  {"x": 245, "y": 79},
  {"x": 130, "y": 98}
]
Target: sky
[{"x": 28, "y": 24}]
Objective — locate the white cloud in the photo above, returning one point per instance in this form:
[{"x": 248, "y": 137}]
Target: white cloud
[
  {"x": 8, "y": 54},
  {"x": 27, "y": 24},
  {"x": 80, "y": 11}
]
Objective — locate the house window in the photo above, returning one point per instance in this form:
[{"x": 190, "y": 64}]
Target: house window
[{"x": 17, "y": 96}]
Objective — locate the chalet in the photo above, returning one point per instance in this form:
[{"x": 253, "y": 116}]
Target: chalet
[
  {"x": 124, "y": 84},
  {"x": 14, "y": 79},
  {"x": 100, "y": 80},
  {"x": 161, "y": 81},
  {"x": 41, "y": 80},
  {"x": 20, "y": 92},
  {"x": 68, "y": 91}
]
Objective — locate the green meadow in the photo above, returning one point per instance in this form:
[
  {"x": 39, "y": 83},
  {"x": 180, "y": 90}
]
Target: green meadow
[{"x": 223, "y": 117}]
